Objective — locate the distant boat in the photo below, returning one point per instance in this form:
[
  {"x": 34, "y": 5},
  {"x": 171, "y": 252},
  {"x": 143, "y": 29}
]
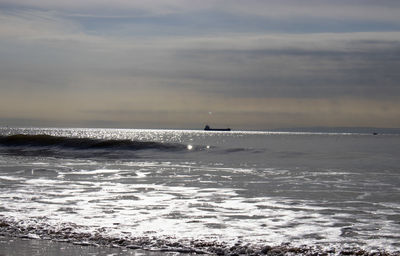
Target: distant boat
[{"x": 207, "y": 128}]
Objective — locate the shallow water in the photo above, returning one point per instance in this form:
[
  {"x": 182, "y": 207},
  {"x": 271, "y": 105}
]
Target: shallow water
[
  {"x": 328, "y": 190},
  {"x": 12, "y": 246}
]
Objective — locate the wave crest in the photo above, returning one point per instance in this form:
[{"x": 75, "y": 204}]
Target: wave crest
[{"x": 48, "y": 141}]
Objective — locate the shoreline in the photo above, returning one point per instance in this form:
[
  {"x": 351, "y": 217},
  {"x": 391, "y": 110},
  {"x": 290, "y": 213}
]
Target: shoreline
[
  {"x": 16, "y": 246},
  {"x": 20, "y": 240}
]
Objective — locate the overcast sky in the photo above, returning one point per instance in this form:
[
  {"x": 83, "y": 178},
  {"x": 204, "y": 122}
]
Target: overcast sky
[{"x": 246, "y": 64}]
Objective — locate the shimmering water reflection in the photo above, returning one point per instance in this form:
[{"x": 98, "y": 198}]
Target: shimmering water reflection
[{"x": 256, "y": 187}]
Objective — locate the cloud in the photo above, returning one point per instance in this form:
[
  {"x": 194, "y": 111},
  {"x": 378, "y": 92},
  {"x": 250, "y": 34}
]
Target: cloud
[
  {"x": 341, "y": 61},
  {"x": 214, "y": 16},
  {"x": 385, "y": 10},
  {"x": 258, "y": 78},
  {"x": 319, "y": 64},
  {"x": 321, "y": 9}
]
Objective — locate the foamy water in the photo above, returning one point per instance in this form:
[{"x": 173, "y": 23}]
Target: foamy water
[{"x": 328, "y": 190}]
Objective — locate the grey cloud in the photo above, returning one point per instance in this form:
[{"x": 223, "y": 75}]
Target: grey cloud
[
  {"x": 297, "y": 72},
  {"x": 73, "y": 68},
  {"x": 212, "y": 16},
  {"x": 263, "y": 65},
  {"x": 365, "y": 9}
]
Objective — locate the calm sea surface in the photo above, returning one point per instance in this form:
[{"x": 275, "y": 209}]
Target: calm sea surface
[{"x": 328, "y": 190}]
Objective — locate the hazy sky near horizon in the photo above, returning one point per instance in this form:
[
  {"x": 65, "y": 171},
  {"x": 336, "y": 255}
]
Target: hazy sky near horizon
[{"x": 247, "y": 64}]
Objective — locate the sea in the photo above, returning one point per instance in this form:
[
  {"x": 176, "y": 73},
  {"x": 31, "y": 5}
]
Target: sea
[{"x": 201, "y": 190}]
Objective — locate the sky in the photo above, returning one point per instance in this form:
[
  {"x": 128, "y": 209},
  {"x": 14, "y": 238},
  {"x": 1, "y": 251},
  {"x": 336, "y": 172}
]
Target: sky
[{"x": 244, "y": 64}]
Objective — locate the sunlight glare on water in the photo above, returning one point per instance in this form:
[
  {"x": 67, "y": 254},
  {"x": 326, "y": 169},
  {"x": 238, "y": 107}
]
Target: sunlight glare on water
[{"x": 315, "y": 189}]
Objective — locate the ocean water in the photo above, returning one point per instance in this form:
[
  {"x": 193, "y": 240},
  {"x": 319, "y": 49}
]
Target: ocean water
[{"x": 325, "y": 190}]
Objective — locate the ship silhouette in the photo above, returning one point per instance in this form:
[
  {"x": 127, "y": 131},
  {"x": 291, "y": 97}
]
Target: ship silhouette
[{"x": 208, "y": 128}]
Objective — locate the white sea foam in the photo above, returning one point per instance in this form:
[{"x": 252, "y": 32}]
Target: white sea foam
[{"x": 281, "y": 190}]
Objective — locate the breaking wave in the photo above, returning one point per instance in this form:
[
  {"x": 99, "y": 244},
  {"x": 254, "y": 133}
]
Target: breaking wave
[{"x": 48, "y": 141}]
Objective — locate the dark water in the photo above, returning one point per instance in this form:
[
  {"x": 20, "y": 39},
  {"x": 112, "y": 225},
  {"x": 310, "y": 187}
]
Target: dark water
[{"x": 327, "y": 190}]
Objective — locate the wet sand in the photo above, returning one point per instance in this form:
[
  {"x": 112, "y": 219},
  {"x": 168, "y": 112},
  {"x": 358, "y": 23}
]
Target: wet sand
[
  {"x": 13, "y": 246},
  {"x": 19, "y": 240},
  {"x": 17, "y": 246}
]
